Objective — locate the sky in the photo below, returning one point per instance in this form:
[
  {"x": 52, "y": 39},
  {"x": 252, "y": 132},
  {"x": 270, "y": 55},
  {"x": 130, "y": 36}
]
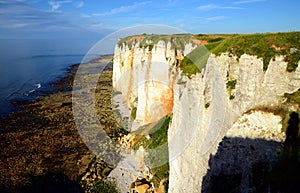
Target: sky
[{"x": 98, "y": 18}]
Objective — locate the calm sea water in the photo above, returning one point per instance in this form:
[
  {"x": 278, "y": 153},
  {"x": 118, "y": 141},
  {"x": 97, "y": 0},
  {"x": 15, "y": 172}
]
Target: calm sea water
[{"x": 27, "y": 66}]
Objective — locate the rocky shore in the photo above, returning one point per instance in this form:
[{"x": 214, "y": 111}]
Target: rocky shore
[{"x": 41, "y": 149}]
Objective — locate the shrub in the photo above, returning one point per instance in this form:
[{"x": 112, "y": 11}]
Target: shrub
[
  {"x": 133, "y": 113},
  {"x": 231, "y": 84},
  {"x": 207, "y": 105}
]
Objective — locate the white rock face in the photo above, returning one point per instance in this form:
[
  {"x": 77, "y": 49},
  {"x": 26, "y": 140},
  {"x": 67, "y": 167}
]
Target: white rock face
[
  {"x": 201, "y": 106},
  {"x": 146, "y": 77},
  {"x": 199, "y": 128},
  {"x": 254, "y": 88},
  {"x": 258, "y": 125},
  {"x": 128, "y": 170},
  {"x": 195, "y": 130}
]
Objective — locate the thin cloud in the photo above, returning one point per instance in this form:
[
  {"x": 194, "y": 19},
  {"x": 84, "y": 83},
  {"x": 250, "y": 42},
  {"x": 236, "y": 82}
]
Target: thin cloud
[
  {"x": 55, "y": 5},
  {"x": 122, "y": 9},
  {"x": 215, "y": 18},
  {"x": 247, "y": 1},
  {"x": 17, "y": 25},
  {"x": 54, "y": 27},
  {"x": 26, "y": 17},
  {"x": 80, "y": 4},
  {"x": 209, "y": 7}
]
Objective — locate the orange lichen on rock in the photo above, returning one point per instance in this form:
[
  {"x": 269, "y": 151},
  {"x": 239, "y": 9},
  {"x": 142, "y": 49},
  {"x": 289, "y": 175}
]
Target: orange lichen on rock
[
  {"x": 167, "y": 99},
  {"x": 129, "y": 89}
]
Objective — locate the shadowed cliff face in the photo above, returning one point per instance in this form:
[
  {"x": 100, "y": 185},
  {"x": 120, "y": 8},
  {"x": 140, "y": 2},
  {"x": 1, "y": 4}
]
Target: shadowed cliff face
[
  {"x": 231, "y": 168},
  {"x": 285, "y": 177},
  {"x": 292, "y": 130},
  {"x": 256, "y": 165}
]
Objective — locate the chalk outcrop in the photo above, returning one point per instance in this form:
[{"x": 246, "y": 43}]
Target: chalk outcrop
[
  {"x": 146, "y": 79},
  {"x": 208, "y": 124},
  {"x": 205, "y": 107}
]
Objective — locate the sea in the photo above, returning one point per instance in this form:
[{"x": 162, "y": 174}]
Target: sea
[{"x": 27, "y": 66}]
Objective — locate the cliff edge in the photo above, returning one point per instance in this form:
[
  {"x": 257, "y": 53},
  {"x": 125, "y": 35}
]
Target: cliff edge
[{"x": 209, "y": 87}]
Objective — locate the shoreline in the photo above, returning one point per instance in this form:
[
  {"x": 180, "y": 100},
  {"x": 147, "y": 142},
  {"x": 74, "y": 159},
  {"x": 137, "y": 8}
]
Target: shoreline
[
  {"x": 59, "y": 84},
  {"x": 40, "y": 140}
]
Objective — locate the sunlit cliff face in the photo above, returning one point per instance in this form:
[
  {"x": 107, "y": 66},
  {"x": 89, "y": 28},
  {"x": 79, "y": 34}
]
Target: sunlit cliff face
[
  {"x": 205, "y": 107},
  {"x": 146, "y": 79}
]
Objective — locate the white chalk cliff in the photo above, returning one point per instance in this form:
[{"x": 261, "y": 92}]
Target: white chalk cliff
[{"x": 203, "y": 109}]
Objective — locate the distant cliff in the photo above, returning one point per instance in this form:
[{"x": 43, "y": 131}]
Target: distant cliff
[{"x": 233, "y": 94}]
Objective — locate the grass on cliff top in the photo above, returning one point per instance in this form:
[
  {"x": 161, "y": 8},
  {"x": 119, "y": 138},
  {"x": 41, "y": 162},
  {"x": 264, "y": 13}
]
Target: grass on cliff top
[
  {"x": 265, "y": 46},
  {"x": 178, "y": 40}
]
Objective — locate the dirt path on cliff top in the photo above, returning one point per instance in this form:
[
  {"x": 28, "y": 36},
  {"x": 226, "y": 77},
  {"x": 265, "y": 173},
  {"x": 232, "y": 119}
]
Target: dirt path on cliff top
[{"x": 41, "y": 139}]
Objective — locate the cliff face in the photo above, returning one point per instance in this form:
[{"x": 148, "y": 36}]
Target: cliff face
[
  {"x": 226, "y": 99},
  {"x": 146, "y": 79},
  {"x": 209, "y": 124}
]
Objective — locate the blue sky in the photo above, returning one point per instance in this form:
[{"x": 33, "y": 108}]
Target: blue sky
[{"x": 97, "y": 18}]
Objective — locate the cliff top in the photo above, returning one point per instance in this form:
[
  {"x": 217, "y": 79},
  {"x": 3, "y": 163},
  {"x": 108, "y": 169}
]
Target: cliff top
[
  {"x": 262, "y": 45},
  {"x": 178, "y": 40},
  {"x": 265, "y": 45}
]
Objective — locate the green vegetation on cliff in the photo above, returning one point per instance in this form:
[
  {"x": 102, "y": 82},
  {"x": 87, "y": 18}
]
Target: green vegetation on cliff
[
  {"x": 265, "y": 46},
  {"x": 158, "y": 135},
  {"x": 230, "y": 85},
  {"x": 192, "y": 63},
  {"x": 157, "y": 141}
]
